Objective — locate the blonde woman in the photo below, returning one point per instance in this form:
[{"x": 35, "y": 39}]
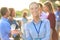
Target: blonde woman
[
  {"x": 37, "y": 29},
  {"x": 48, "y": 8}
]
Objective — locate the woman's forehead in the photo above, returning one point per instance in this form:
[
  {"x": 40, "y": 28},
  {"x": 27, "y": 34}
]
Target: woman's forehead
[{"x": 33, "y": 5}]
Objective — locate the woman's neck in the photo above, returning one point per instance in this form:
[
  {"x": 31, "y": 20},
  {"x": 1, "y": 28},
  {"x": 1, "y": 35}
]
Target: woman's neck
[
  {"x": 11, "y": 18},
  {"x": 47, "y": 13},
  {"x": 5, "y": 16},
  {"x": 36, "y": 19}
]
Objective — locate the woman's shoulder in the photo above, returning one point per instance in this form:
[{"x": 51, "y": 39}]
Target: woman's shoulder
[
  {"x": 29, "y": 23},
  {"x": 51, "y": 13},
  {"x": 45, "y": 20}
]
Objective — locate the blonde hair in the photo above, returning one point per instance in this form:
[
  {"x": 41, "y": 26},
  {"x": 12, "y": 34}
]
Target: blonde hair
[
  {"x": 50, "y": 6},
  {"x": 40, "y": 5},
  {"x": 33, "y": 3}
]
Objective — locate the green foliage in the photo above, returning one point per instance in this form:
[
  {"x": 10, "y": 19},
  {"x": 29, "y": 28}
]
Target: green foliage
[
  {"x": 48, "y": 0},
  {"x": 18, "y": 13},
  {"x": 0, "y": 15},
  {"x": 52, "y": 0},
  {"x": 43, "y": 1}
]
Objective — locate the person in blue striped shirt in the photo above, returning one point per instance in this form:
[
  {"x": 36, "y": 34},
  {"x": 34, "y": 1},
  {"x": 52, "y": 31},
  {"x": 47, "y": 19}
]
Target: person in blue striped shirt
[{"x": 37, "y": 29}]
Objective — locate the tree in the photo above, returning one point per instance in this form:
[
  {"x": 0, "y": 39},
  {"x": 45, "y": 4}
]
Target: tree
[
  {"x": 0, "y": 15},
  {"x": 42, "y": 1},
  {"x": 18, "y": 13}
]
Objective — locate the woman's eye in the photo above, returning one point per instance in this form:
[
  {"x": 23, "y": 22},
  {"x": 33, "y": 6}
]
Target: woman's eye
[{"x": 31, "y": 8}]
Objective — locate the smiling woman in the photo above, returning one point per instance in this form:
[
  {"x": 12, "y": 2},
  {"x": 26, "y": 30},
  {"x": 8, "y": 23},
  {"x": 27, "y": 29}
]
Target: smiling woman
[{"x": 17, "y": 4}]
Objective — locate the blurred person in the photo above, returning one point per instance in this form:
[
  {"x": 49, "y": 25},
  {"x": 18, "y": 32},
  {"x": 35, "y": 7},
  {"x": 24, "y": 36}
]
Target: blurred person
[
  {"x": 14, "y": 24},
  {"x": 57, "y": 13},
  {"x": 24, "y": 19},
  {"x": 20, "y": 27},
  {"x": 37, "y": 29},
  {"x": 5, "y": 28},
  {"x": 0, "y": 16},
  {"x": 20, "y": 24},
  {"x": 51, "y": 17},
  {"x": 43, "y": 14}
]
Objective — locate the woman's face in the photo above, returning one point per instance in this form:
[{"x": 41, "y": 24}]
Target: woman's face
[
  {"x": 34, "y": 10},
  {"x": 45, "y": 8},
  {"x": 40, "y": 9},
  {"x": 13, "y": 13},
  {"x": 25, "y": 14},
  {"x": 58, "y": 8}
]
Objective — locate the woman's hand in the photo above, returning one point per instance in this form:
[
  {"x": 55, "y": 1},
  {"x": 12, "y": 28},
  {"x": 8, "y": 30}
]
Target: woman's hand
[{"x": 14, "y": 32}]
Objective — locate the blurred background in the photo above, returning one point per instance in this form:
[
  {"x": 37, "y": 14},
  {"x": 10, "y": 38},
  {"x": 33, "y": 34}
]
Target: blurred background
[{"x": 21, "y": 6}]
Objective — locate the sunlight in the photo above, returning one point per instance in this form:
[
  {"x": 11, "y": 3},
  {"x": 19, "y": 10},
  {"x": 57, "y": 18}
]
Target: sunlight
[{"x": 17, "y": 4}]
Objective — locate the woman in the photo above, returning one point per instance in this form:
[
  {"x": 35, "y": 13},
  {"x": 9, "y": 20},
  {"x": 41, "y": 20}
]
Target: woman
[
  {"x": 24, "y": 19},
  {"x": 43, "y": 14},
  {"x": 13, "y": 23},
  {"x": 37, "y": 29},
  {"x": 51, "y": 17}
]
